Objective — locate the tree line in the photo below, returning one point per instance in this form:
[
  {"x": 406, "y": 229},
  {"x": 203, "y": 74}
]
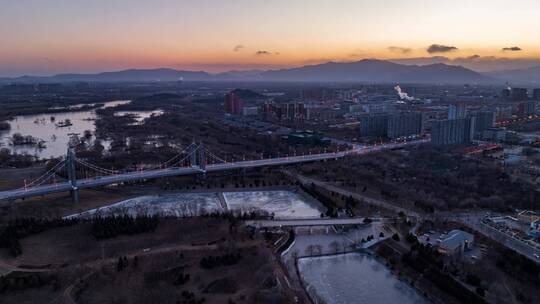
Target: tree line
[
  {"x": 17, "y": 229},
  {"x": 427, "y": 261},
  {"x": 112, "y": 226},
  {"x": 210, "y": 262},
  {"x": 11, "y": 283}
]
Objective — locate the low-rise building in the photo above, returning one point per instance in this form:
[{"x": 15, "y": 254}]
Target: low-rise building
[
  {"x": 456, "y": 242},
  {"x": 528, "y": 216},
  {"x": 494, "y": 134},
  {"x": 250, "y": 111},
  {"x": 534, "y": 229}
]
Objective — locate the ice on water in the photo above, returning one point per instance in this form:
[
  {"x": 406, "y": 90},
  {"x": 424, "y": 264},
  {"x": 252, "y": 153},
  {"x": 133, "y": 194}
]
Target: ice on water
[
  {"x": 283, "y": 204},
  {"x": 354, "y": 278},
  {"x": 178, "y": 205}
]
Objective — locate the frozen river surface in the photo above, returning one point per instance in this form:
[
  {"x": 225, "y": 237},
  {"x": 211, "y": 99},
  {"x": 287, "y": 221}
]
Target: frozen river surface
[
  {"x": 179, "y": 205},
  {"x": 354, "y": 278},
  {"x": 283, "y": 204}
]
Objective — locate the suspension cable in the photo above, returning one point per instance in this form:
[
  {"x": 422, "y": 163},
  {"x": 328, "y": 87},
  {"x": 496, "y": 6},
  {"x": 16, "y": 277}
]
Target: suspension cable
[{"x": 45, "y": 175}]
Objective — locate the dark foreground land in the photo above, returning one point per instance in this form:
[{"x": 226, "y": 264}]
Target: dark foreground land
[{"x": 202, "y": 260}]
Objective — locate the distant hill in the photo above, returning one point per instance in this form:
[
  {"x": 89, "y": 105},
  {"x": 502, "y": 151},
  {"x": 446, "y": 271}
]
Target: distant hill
[
  {"x": 522, "y": 76},
  {"x": 132, "y": 75},
  {"x": 369, "y": 70}
]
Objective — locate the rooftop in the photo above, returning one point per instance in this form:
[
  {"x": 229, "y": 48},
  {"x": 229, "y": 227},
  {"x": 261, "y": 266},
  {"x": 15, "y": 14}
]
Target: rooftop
[{"x": 456, "y": 238}]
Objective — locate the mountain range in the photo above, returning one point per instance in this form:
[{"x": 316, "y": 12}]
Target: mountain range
[
  {"x": 368, "y": 70},
  {"x": 525, "y": 76}
]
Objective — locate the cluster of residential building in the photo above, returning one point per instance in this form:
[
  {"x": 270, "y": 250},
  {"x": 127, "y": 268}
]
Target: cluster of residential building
[{"x": 386, "y": 112}]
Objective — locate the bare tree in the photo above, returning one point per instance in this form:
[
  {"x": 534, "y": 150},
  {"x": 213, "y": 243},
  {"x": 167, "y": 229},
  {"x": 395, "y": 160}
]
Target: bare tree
[{"x": 310, "y": 249}]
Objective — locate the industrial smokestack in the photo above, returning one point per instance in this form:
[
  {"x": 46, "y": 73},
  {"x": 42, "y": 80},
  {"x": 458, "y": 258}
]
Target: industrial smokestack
[{"x": 403, "y": 95}]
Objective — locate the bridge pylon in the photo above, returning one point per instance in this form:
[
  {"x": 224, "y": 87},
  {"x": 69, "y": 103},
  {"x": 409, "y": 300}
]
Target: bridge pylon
[
  {"x": 193, "y": 155},
  {"x": 72, "y": 175},
  {"x": 202, "y": 157}
]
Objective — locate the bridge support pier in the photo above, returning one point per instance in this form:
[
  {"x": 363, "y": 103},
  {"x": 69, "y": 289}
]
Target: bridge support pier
[
  {"x": 72, "y": 175},
  {"x": 75, "y": 195}
]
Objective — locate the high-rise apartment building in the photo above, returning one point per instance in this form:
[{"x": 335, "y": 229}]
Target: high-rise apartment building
[
  {"x": 536, "y": 94},
  {"x": 519, "y": 94},
  {"x": 233, "y": 104},
  {"x": 391, "y": 125},
  {"x": 483, "y": 120},
  {"x": 453, "y": 131},
  {"x": 457, "y": 111},
  {"x": 374, "y": 125},
  {"x": 404, "y": 125}
]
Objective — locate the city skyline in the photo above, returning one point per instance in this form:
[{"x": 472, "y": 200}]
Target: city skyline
[{"x": 73, "y": 36}]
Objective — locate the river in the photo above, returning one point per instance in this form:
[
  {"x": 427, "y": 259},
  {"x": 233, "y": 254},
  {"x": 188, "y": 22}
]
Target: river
[
  {"x": 45, "y": 127},
  {"x": 354, "y": 278}
]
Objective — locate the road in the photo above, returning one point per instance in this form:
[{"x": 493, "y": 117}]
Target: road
[
  {"x": 176, "y": 171},
  {"x": 474, "y": 221},
  {"x": 309, "y": 222}
]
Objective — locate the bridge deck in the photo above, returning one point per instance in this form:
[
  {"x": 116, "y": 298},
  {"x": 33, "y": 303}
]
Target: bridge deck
[
  {"x": 149, "y": 174},
  {"x": 176, "y": 171}
]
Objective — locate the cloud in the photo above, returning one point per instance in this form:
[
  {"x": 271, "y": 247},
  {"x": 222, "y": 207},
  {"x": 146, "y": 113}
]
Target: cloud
[
  {"x": 48, "y": 60},
  {"x": 399, "y": 49},
  {"x": 512, "y": 49},
  {"x": 439, "y": 48},
  {"x": 238, "y": 48},
  {"x": 263, "y": 53}
]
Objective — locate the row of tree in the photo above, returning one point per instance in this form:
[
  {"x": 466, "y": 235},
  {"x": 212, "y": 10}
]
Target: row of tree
[
  {"x": 23, "y": 227},
  {"x": 112, "y": 226},
  {"x": 189, "y": 297},
  {"x": 429, "y": 262},
  {"x": 21, "y": 282},
  {"x": 14, "y": 160},
  {"x": 331, "y": 208},
  {"x": 211, "y": 262}
]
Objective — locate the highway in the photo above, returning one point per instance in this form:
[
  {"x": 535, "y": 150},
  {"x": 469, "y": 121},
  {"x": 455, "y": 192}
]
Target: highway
[{"x": 177, "y": 171}]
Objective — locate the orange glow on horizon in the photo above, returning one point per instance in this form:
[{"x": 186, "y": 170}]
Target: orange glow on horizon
[{"x": 78, "y": 36}]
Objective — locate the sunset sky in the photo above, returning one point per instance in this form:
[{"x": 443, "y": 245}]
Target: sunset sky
[{"x": 55, "y": 36}]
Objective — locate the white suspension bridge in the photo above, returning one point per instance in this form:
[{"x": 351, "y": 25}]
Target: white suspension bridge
[{"x": 72, "y": 173}]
